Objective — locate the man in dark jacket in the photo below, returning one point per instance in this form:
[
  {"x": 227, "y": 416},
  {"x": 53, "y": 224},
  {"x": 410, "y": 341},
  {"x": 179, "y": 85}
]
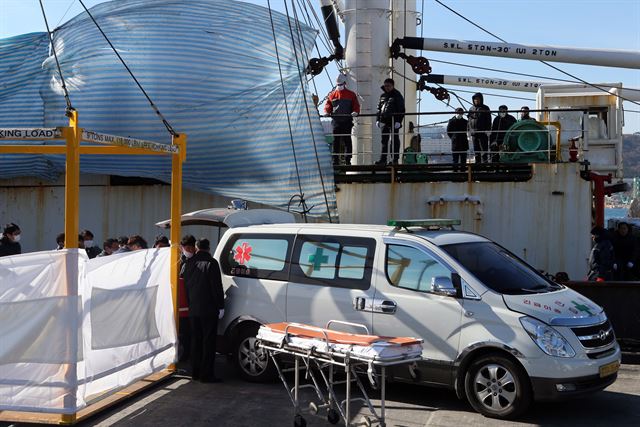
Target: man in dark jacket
[
  {"x": 524, "y": 114},
  {"x": 500, "y": 125},
  {"x": 625, "y": 248},
  {"x": 479, "y": 127},
  {"x": 9, "y": 242},
  {"x": 205, "y": 296},
  {"x": 601, "y": 259},
  {"x": 389, "y": 119},
  {"x": 457, "y": 131}
]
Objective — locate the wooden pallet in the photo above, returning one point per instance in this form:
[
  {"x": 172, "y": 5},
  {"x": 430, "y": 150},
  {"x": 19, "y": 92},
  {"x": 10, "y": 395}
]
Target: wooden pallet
[{"x": 90, "y": 410}]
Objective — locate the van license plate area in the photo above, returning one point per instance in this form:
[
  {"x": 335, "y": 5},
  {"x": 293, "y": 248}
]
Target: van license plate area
[{"x": 609, "y": 369}]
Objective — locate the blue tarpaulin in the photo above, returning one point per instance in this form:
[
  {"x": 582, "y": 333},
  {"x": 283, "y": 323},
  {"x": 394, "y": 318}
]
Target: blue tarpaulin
[{"x": 211, "y": 68}]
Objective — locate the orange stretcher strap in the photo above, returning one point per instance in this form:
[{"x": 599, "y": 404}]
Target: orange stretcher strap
[{"x": 337, "y": 337}]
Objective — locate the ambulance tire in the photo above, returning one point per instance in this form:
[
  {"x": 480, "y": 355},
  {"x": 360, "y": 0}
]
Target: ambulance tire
[
  {"x": 253, "y": 363},
  {"x": 497, "y": 387}
]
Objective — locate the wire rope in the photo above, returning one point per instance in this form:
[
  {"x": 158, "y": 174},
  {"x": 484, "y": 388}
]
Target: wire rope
[
  {"x": 286, "y": 104},
  {"x": 55, "y": 55},
  {"x": 544, "y": 62},
  {"x": 306, "y": 104},
  {"x": 151, "y": 103}
]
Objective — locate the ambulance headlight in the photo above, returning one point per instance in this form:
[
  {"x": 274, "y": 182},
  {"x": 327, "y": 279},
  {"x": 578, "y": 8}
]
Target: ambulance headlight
[{"x": 548, "y": 339}]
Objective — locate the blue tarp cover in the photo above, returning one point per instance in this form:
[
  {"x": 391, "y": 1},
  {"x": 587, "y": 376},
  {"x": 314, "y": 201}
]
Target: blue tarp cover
[{"x": 209, "y": 65}]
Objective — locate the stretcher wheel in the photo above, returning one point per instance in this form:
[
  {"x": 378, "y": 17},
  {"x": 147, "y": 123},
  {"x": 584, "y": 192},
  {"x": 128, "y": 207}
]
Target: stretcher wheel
[
  {"x": 313, "y": 408},
  {"x": 366, "y": 421},
  {"x": 333, "y": 416},
  {"x": 298, "y": 421}
]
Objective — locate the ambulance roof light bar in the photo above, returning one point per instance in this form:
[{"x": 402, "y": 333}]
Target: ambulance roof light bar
[{"x": 430, "y": 224}]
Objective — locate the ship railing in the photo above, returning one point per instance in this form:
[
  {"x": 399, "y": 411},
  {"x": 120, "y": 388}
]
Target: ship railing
[{"x": 418, "y": 146}]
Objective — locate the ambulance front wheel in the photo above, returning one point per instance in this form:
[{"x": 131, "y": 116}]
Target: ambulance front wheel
[{"x": 253, "y": 362}]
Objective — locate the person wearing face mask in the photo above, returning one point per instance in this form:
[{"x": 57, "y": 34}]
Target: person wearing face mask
[
  {"x": 9, "y": 243},
  {"x": 205, "y": 297},
  {"x": 457, "y": 131},
  {"x": 500, "y": 125},
  {"x": 342, "y": 105},
  {"x": 88, "y": 244}
]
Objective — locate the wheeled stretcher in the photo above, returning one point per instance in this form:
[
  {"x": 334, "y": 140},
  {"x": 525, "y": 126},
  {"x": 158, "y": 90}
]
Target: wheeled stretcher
[{"x": 321, "y": 350}]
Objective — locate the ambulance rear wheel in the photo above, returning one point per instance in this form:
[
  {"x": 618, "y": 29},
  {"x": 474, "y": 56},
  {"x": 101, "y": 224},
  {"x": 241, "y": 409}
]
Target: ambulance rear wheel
[{"x": 253, "y": 363}]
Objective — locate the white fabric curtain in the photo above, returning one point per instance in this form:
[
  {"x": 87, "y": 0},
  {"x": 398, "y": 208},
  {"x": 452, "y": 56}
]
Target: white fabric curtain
[{"x": 61, "y": 348}]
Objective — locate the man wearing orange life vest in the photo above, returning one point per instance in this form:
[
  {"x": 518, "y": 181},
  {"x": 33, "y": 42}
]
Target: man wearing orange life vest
[{"x": 342, "y": 105}]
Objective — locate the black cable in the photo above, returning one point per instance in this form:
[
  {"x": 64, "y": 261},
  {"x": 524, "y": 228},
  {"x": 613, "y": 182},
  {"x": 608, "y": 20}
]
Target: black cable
[
  {"x": 321, "y": 25},
  {"x": 153, "y": 106},
  {"x": 544, "y": 62},
  {"x": 421, "y": 33},
  {"x": 306, "y": 104},
  {"x": 286, "y": 105},
  {"x": 55, "y": 55},
  {"x": 331, "y": 83}
]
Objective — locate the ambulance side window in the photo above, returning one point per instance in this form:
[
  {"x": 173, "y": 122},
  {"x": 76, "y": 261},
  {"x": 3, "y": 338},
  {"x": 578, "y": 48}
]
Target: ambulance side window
[
  {"x": 262, "y": 256},
  {"x": 337, "y": 261},
  {"x": 413, "y": 269}
]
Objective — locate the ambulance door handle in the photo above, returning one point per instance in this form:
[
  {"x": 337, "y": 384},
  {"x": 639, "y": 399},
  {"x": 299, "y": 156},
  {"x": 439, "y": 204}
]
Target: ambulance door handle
[
  {"x": 384, "y": 306},
  {"x": 359, "y": 303}
]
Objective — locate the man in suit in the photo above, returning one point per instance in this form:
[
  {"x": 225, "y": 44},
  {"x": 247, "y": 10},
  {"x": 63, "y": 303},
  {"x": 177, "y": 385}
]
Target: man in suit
[{"x": 205, "y": 297}]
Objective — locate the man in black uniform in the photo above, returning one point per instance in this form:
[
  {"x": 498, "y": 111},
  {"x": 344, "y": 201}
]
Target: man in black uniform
[
  {"x": 205, "y": 296},
  {"x": 390, "y": 115},
  {"x": 499, "y": 128},
  {"x": 479, "y": 127},
  {"x": 457, "y": 131}
]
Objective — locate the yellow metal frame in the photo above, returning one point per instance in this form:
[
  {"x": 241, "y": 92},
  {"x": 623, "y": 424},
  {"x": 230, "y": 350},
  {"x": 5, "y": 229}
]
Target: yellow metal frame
[
  {"x": 558, "y": 127},
  {"x": 73, "y": 135}
]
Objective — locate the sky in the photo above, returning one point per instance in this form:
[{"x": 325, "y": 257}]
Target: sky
[{"x": 612, "y": 24}]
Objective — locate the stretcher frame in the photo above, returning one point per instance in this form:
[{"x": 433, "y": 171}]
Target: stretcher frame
[{"x": 325, "y": 363}]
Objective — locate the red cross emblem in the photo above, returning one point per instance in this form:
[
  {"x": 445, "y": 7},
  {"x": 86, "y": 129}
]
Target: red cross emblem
[{"x": 243, "y": 253}]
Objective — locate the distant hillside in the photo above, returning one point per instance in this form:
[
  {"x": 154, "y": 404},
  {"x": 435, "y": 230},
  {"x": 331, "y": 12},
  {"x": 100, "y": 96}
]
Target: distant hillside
[{"x": 631, "y": 155}]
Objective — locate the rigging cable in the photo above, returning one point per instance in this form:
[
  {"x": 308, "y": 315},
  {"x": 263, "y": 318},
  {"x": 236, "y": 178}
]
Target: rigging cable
[
  {"x": 286, "y": 107},
  {"x": 519, "y": 74},
  {"x": 69, "y": 108},
  {"x": 65, "y": 13},
  {"x": 544, "y": 62},
  {"x": 153, "y": 106},
  {"x": 304, "y": 7},
  {"x": 306, "y": 104},
  {"x": 421, "y": 33}
]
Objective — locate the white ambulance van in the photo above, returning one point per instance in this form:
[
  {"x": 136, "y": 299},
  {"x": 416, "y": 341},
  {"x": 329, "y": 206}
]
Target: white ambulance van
[{"x": 495, "y": 330}]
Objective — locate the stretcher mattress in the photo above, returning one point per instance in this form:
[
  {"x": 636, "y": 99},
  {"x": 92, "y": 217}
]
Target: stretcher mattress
[{"x": 366, "y": 347}]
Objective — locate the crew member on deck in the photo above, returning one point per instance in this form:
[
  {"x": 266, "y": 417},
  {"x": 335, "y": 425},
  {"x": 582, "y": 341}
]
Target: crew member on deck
[
  {"x": 500, "y": 125},
  {"x": 524, "y": 114},
  {"x": 342, "y": 105},
  {"x": 457, "y": 131},
  {"x": 479, "y": 127},
  {"x": 389, "y": 119}
]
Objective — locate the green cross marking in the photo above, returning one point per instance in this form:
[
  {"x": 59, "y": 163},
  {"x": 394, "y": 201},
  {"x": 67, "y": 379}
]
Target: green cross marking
[
  {"x": 583, "y": 307},
  {"x": 318, "y": 259}
]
